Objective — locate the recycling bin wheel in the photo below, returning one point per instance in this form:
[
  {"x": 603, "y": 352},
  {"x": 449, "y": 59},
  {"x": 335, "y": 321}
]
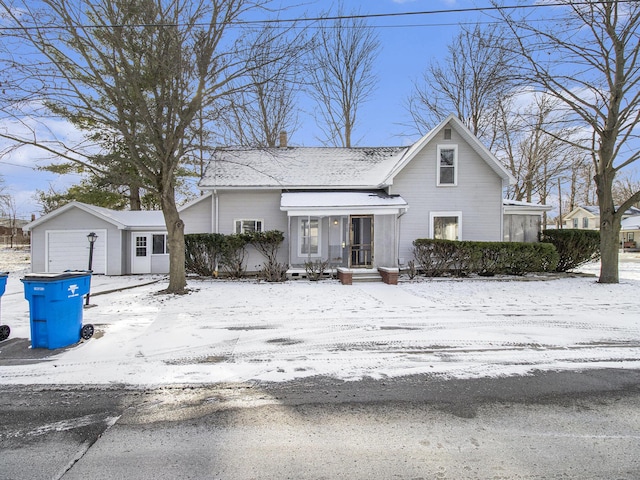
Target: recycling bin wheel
[
  {"x": 87, "y": 331},
  {"x": 4, "y": 332}
]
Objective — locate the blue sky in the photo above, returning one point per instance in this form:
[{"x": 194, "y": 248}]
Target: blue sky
[{"x": 408, "y": 45}]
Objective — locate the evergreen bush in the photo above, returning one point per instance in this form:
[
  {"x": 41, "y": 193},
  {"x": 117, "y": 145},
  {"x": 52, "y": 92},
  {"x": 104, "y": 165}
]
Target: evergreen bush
[
  {"x": 203, "y": 253},
  {"x": 575, "y": 247},
  {"x": 206, "y": 252},
  {"x": 447, "y": 257}
]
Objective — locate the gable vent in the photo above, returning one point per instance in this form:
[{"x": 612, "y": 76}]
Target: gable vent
[{"x": 447, "y": 134}]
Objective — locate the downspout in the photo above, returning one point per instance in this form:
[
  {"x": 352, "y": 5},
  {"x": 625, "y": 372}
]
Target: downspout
[
  {"x": 504, "y": 187},
  {"x": 216, "y": 225}
]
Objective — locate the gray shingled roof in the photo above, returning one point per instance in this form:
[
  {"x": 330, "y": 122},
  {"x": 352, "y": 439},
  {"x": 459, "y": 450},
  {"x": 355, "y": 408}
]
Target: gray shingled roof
[
  {"x": 123, "y": 219},
  {"x": 300, "y": 167}
]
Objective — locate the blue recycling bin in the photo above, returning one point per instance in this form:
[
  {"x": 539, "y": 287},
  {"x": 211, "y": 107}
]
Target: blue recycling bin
[
  {"x": 55, "y": 307},
  {"x": 3, "y": 282},
  {"x": 4, "y": 329}
]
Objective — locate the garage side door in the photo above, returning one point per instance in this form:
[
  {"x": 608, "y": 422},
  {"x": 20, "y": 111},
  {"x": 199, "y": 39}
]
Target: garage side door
[{"x": 69, "y": 250}]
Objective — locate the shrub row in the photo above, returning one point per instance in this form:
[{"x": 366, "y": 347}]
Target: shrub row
[
  {"x": 575, "y": 247},
  {"x": 205, "y": 253},
  {"x": 448, "y": 257}
]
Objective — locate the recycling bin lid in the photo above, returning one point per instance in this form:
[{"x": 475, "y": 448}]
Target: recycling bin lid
[
  {"x": 55, "y": 276},
  {"x": 4, "y": 274}
]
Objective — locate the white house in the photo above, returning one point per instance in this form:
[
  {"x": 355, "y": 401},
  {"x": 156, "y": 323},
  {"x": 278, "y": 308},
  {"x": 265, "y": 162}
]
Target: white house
[
  {"x": 353, "y": 207},
  {"x": 630, "y": 232},
  {"x": 587, "y": 217},
  {"x": 356, "y": 207}
]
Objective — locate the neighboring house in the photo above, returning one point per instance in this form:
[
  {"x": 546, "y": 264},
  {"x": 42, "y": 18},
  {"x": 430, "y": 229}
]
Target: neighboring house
[
  {"x": 12, "y": 233},
  {"x": 630, "y": 232},
  {"x": 353, "y": 207},
  {"x": 128, "y": 241},
  {"x": 587, "y": 217}
]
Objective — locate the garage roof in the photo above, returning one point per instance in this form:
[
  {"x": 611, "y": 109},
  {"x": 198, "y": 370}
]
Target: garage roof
[{"x": 123, "y": 219}]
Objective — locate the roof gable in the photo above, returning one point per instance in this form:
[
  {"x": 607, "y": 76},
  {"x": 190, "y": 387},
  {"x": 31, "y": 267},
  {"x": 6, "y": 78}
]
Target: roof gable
[
  {"x": 469, "y": 137},
  {"x": 593, "y": 211},
  {"x": 122, "y": 219},
  {"x": 324, "y": 167}
]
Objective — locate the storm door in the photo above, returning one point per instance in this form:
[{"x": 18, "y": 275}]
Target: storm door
[{"x": 361, "y": 241}]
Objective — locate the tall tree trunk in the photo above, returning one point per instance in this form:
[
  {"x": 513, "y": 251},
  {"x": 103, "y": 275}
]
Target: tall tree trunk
[
  {"x": 609, "y": 227},
  {"x": 134, "y": 198},
  {"x": 175, "y": 240}
]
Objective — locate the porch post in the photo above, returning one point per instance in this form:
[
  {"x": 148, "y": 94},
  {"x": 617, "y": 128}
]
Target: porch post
[{"x": 289, "y": 236}]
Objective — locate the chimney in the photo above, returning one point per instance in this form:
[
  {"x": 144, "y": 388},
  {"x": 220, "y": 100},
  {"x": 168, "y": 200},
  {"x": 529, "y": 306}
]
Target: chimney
[
  {"x": 283, "y": 139},
  {"x": 33, "y": 217}
]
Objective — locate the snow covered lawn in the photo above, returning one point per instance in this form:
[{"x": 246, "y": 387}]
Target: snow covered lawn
[{"x": 226, "y": 331}]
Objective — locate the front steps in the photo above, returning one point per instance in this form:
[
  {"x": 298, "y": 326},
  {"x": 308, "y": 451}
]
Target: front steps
[{"x": 349, "y": 276}]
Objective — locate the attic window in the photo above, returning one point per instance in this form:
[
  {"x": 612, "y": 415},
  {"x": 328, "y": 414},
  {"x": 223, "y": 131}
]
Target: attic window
[
  {"x": 447, "y": 134},
  {"x": 447, "y": 166}
]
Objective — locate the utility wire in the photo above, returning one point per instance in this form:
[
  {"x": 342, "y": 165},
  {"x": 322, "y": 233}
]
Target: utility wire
[{"x": 342, "y": 17}]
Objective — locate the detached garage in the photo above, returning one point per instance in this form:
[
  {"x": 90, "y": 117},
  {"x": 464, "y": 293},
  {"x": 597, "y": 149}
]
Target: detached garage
[{"x": 127, "y": 241}]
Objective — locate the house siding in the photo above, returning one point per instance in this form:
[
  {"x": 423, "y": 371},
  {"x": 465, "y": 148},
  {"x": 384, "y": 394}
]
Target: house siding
[
  {"x": 477, "y": 195},
  {"x": 245, "y": 204},
  {"x": 198, "y": 216}
]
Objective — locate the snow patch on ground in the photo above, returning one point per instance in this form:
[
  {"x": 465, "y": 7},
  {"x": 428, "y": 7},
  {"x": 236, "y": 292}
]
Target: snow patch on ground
[{"x": 226, "y": 331}]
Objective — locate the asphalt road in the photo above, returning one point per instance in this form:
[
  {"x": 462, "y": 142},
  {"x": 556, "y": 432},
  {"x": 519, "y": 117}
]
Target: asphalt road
[{"x": 550, "y": 425}]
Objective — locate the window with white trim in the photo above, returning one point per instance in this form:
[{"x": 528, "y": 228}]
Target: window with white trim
[
  {"x": 446, "y": 225},
  {"x": 159, "y": 245},
  {"x": 585, "y": 222},
  {"x": 248, "y": 226},
  {"x": 575, "y": 223},
  {"x": 447, "y": 173},
  {"x": 309, "y": 237}
]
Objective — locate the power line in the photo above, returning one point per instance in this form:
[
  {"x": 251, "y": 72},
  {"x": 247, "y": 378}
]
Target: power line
[{"x": 341, "y": 17}]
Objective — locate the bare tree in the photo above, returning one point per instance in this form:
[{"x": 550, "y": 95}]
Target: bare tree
[
  {"x": 256, "y": 115},
  {"x": 588, "y": 56},
  {"x": 342, "y": 74},
  {"x": 476, "y": 79},
  {"x": 141, "y": 70},
  {"x": 537, "y": 159},
  {"x": 625, "y": 186}
]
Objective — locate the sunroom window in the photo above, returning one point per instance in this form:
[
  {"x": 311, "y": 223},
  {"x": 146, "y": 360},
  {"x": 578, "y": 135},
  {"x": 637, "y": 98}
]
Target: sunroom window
[{"x": 309, "y": 237}]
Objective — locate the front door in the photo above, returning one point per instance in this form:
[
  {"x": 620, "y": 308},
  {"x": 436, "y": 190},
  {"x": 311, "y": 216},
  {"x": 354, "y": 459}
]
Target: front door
[
  {"x": 141, "y": 254},
  {"x": 361, "y": 241}
]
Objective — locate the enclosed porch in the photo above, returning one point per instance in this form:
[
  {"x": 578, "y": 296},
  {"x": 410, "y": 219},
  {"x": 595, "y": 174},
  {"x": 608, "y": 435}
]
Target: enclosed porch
[{"x": 351, "y": 230}]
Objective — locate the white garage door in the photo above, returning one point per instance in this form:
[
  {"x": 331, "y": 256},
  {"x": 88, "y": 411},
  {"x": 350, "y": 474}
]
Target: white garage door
[{"x": 69, "y": 250}]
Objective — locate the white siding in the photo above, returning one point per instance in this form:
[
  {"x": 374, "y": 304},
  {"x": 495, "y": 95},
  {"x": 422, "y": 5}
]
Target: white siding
[
  {"x": 478, "y": 195},
  {"x": 198, "y": 216},
  {"x": 244, "y": 204}
]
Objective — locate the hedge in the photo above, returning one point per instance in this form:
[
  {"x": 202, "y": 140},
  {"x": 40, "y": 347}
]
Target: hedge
[
  {"x": 445, "y": 257},
  {"x": 575, "y": 247},
  {"x": 206, "y": 252}
]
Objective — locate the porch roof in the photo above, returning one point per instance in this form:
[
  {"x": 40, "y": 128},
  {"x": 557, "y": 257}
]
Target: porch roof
[{"x": 320, "y": 204}]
